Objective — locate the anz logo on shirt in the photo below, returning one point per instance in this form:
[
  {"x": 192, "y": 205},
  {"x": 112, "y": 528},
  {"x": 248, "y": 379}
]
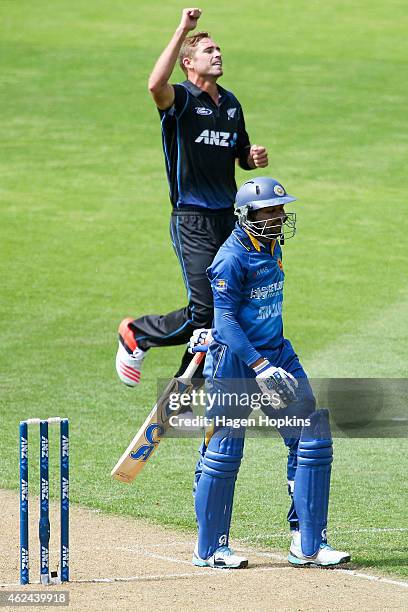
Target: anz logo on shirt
[{"x": 218, "y": 139}]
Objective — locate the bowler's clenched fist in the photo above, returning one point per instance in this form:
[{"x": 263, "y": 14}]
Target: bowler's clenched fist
[
  {"x": 189, "y": 18},
  {"x": 259, "y": 156}
]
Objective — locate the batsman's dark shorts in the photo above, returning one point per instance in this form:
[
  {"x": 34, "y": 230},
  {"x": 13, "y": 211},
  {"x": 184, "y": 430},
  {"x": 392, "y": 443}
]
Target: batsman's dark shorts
[{"x": 196, "y": 236}]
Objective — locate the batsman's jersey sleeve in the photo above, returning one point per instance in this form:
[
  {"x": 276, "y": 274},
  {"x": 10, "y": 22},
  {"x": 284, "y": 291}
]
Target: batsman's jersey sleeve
[{"x": 227, "y": 278}]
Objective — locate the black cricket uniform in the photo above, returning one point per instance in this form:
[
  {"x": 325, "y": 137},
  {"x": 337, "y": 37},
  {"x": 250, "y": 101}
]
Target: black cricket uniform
[{"x": 201, "y": 142}]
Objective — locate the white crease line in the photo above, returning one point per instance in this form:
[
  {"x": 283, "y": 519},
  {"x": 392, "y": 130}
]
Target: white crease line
[
  {"x": 165, "y": 558},
  {"x": 183, "y": 561},
  {"x": 215, "y": 572},
  {"x": 286, "y": 534},
  {"x": 141, "y": 551},
  {"x": 277, "y": 557},
  {"x": 370, "y": 577},
  {"x": 137, "y": 548},
  {"x": 146, "y": 553},
  {"x": 287, "y": 568},
  {"x": 369, "y": 530},
  {"x": 151, "y": 577},
  {"x": 147, "y": 578},
  {"x": 348, "y": 572},
  {"x": 10, "y": 586},
  {"x": 173, "y": 543},
  {"x": 190, "y": 543},
  {"x": 268, "y": 555}
]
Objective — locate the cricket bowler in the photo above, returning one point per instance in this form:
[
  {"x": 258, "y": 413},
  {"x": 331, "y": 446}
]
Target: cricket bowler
[
  {"x": 204, "y": 137},
  {"x": 249, "y": 351}
]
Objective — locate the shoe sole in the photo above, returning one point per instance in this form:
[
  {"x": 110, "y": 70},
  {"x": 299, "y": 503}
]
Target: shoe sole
[
  {"x": 306, "y": 563},
  {"x": 201, "y": 563}
]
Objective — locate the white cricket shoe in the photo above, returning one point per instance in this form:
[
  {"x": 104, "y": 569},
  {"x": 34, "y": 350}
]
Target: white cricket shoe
[
  {"x": 325, "y": 556},
  {"x": 129, "y": 357},
  {"x": 223, "y": 558}
]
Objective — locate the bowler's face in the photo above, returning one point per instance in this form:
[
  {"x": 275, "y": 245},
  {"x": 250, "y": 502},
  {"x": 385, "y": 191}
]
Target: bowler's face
[{"x": 207, "y": 60}]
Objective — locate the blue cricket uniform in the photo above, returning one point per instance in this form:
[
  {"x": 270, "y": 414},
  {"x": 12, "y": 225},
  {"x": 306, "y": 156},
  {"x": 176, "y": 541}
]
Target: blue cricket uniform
[{"x": 247, "y": 281}]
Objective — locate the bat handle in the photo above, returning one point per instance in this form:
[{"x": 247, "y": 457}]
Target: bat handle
[
  {"x": 192, "y": 367},
  {"x": 202, "y": 348}
]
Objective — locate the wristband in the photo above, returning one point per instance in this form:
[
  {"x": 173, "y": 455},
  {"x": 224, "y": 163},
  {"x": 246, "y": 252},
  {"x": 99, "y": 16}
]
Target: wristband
[{"x": 261, "y": 367}]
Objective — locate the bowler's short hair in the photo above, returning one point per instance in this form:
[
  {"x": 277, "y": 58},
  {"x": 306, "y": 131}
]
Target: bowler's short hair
[{"x": 189, "y": 45}]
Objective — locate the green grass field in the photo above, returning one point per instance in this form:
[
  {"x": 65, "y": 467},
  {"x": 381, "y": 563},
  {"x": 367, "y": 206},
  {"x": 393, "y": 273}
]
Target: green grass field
[{"x": 84, "y": 238}]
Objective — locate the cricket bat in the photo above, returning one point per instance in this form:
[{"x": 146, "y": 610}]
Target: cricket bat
[{"x": 155, "y": 426}]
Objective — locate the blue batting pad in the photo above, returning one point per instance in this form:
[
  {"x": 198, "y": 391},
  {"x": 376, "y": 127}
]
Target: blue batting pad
[
  {"x": 215, "y": 489},
  {"x": 312, "y": 481}
]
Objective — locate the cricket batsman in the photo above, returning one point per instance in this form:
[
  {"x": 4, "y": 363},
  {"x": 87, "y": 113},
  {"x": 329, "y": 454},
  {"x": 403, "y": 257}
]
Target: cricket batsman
[{"x": 249, "y": 351}]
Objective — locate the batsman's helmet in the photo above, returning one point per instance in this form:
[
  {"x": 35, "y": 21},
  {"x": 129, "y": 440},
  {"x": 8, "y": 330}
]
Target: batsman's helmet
[{"x": 263, "y": 192}]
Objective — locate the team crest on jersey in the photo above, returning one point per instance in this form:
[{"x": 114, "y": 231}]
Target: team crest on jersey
[
  {"x": 221, "y": 284},
  {"x": 280, "y": 264},
  {"x": 279, "y": 190},
  {"x": 201, "y": 110},
  {"x": 231, "y": 112}
]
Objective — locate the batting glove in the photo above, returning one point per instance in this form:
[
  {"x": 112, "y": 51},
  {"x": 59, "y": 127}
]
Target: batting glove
[
  {"x": 199, "y": 341},
  {"x": 277, "y": 383}
]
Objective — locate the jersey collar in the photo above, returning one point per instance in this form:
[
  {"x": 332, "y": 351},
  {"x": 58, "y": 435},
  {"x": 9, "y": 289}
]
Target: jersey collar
[
  {"x": 248, "y": 241},
  {"x": 196, "y": 91}
]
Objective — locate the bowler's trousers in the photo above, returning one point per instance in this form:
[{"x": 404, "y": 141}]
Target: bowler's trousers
[{"x": 196, "y": 234}]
